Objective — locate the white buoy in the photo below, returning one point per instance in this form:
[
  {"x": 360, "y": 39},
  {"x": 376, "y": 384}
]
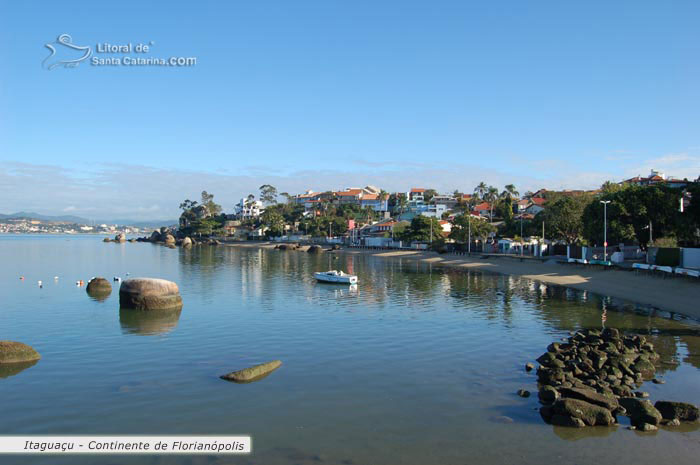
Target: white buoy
[
  {"x": 39, "y": 283},
  {"x": 55, "y": 278}
]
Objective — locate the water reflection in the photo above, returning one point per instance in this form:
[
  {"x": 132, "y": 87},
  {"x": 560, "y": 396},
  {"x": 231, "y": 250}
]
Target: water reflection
[
  {"x": 12, "y": 369},
  {"x": 147, "y": 323},
  {"x": 98, "y": 296}
]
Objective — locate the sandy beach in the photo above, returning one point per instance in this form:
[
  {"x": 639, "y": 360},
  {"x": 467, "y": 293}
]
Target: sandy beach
[{"x": 672, "y": 294}]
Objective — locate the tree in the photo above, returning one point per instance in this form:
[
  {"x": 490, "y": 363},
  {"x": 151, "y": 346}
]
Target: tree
[
  {"x": 274, "y": 222},
  {"x": 510, "y": 191},
  {"x": 491, "y": 197},
  {"x": 287, "y": 198},
  {"x": 208, "y": 201},
  {"x": 423, "y": 229},
  {"x": 383, "y": 195},
  {"x": 563, "y": 217},
  {"x": 480, "y": 190},
  {"x": 268, "y": 194},
  {"x": 463, "y": 224},
  {"x": 428, "y": 195}
]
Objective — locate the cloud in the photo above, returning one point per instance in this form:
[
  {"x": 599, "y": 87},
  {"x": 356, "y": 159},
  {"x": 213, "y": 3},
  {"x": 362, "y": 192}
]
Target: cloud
[{"x": 139, "y": 192}]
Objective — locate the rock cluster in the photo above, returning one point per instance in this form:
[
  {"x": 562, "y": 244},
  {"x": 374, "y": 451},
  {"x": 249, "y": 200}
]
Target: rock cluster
[{"x": 594, "y": 376}]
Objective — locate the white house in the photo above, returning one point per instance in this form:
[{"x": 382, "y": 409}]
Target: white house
[{"x": 249, "y": 209}]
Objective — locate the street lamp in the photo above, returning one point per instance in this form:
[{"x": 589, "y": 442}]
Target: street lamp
[{"x": 605, "y": 229}]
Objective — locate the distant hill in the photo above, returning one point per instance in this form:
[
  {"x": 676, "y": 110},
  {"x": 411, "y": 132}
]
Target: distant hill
[{"x": 80, "y": 220}]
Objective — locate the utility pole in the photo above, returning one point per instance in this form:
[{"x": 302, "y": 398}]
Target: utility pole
[
  {"x": 431, "y": 230},
  {"x": 605, "y": 228},
  {"x": 651, "y": 237},
  {"x": 521, "y": 234},
  {"x": 542, "y": 247}
]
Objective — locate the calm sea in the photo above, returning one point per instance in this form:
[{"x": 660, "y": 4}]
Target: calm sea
[{"x": 417, "y": 365}]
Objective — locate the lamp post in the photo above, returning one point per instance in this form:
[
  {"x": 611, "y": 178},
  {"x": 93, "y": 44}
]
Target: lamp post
[
  {"x": 605, "y": 229},
  {"x": 521, "y": 234},
  {"x": 469, "y": 243}
]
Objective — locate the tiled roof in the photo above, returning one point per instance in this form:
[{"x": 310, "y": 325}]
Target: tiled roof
[
  {"x": 370, "y": 197},
  {"x": 538, "y": 201},
  {"x": 417, "y": 190}
]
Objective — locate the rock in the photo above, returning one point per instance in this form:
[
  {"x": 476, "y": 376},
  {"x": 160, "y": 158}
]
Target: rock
[
  {"x": 550, "y": 375},
  {"x": 563, "y": 420},
  {"x": 98, "y": 287},
  {"x": 155, "y": 237},
  {"x": 187, "y": 242},
  {"x": 658, "y": 381},
  {"x": 253, "y": 373},
  {"x": 671, "y": 423},
  {"x": 149, "y": 294},
  {"x": 315, "y": 249},
  {"x": 529, "y": 367},
  {"x": 546, "y": 412},
  {"x": 169, "y": 239},
  {"x": 17, "y": 352},
  {"x": 590, "y": 414},
  {"x": 640, "y": 411},
  {"x": 106, "y": 239},
  {"x": 132, "y": 240},
  {"x": 678, "y": 410},
  {"x": 647, "y": 427},
  {"x": 641, "y": 394},
  {"x": 590, "y": 396},
  {"x": 121, "y": 237},
  {"x": 548, "y": 394},
  {"x": 645, "y": 367},
  {"x": 610, "y": 333},
  {"x": 523, "y": 393}
]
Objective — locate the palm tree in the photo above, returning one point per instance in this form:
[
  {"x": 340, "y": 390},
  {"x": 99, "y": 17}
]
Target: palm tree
[
  {"x": 491, "y": 197},
  {"x": 383, "y": 195},
  {"x": 510, "y": 190},
  {"x": 480, "y": 190}
]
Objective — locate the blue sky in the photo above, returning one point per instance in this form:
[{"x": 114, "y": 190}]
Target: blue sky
[{"x": 328, "y": 94}]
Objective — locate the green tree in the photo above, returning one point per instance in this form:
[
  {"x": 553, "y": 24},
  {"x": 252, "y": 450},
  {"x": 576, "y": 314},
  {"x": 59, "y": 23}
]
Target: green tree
[
  {"x": 423, "y": 229},
  {"x": 480, "y": 190},
  {"x": 268, "y": 194},
  {"x": 563, "y": 217},
  {"x": 273, "y": 221},
  {"x": 491, "y": 197},
  {"x": 463, "y": 224},
  {"x": 428, "y": 195},
  {"x": 208, "y": 201}
]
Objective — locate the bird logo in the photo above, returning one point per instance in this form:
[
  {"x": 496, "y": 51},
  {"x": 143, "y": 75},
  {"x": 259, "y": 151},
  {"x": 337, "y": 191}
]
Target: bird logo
[{"x": 65, "y": 53}]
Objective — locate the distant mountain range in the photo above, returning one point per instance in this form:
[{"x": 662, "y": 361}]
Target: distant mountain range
[{"x": 79, "y": 220}]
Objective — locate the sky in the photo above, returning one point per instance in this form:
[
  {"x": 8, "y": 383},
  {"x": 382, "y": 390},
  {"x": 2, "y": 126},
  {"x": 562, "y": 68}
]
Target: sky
[{"x": 331, "y": 94}]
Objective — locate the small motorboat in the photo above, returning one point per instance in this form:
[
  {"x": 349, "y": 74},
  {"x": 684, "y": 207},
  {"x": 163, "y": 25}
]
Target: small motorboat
[{"x": 335, "y": 276}]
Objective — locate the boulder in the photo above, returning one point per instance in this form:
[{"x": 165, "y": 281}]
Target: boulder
[
  {"x": 315, "y": 249},
  {"x": 155, "y": 237},
  {"x": 149, "y": 294},
  {"x": 590, "y": 414},
  {"x": 529, "y": 367},
  {"x": 106, "y": 239},
  {"x": 98, "y": 287},
  {"x": 645, "y": 367},
  {"x": 590, "y": 396},
  {"x": 121, "y": 237},
  {"x": 187, "y": 242},
  {"x": 678, "y": 410},
  {"x": 169, "y": 239},
  {"x": 548, "y": 395},
  {"x": 523, "y": 393},
  {"x": 640, "y": 411},
  {"x": 253, "y": 373},
  {"x": 563, "y": 420},
  {"x": 16, "y": 352}
]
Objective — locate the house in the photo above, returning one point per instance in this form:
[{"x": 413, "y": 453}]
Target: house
[
  {"x": 656, "y": 177},
  {"x": 431, "y": 210},
  {"x": 246, "y": 209},
  {"x": 380, "y": 228},
  {"x": 416, "y": 194},
  {"x": 521, "y": 205},
  {"x": 446, "y": 227},
  {"x": 449, "y": 201},
  {"x": 535, "y": 208},
  {"x": 482, "y": 209}
]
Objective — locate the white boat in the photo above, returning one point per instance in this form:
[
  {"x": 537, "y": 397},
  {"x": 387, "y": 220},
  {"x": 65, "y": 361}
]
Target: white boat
[{"x": 335, "y": 276}]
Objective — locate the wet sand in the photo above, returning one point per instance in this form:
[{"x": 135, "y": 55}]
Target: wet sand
[{"x": 673, "y": 294}]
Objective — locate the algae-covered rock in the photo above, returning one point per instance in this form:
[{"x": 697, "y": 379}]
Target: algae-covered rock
[
  {"x": 548, "y": 394},
  {"x": 590, "y": 414},
  {"x": 253, "y": 373},
  {"x": 98, "y": 287},
  {"x": 590, "y": 396},
  {"x": 681, "y": 411},
  {"x": 640, "y": 411},
  {"x": 16, "y": 352},
  {"x": 149, "y": 294}
]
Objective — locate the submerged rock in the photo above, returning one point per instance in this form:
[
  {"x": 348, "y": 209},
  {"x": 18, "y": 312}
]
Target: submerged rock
[
  {"x": 253, "y": 373},
  {"x": 106, "y": 239},
  {"x": 16, "y": 352},
  {"x": 149, "y": 294},
  {"x": 681, "y": 411},
  {"x": 523, "y": 393}
]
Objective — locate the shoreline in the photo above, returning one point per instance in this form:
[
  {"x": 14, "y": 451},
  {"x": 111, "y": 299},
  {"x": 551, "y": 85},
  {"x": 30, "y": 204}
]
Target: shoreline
[{"x": 676, "y": 295}]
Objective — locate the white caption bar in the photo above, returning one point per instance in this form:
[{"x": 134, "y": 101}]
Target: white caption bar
[{"x": 125, "y": 445}]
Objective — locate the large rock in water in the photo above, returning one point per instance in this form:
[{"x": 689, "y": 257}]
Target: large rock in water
[
  {"x": 169, "y": 239},
  {"x": 679, "y": 410},
  {"x": 149, "y": 294},
  {"x": 16, "y": 352},
  {"x": 590, "y": 414},
  {"x": 121, "y": 237},
  {"x": 253, "y": 373},
  {"x": 640, "y": 411},
  {"x": 590, "y": 396},
  {"x": 98, "y": 287},
  {"x": 315, "y": 249},
  {"x": 155, "y": 237},
  {"x": 187, "y": 242}
]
